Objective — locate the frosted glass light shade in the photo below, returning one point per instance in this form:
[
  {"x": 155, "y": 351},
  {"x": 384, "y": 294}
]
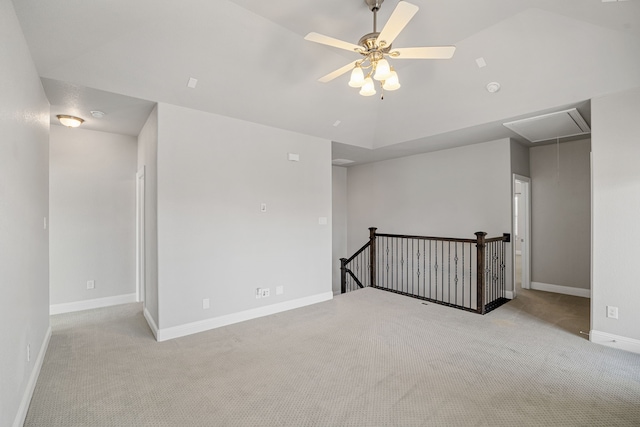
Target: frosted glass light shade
[
  {"x": 357, "y": 77},
  {"x": 70, "y": 121},
  {"x": 383, "y": 70},
  {"x": 392, "y": 83},
  {"x": 368, "y": 87}
]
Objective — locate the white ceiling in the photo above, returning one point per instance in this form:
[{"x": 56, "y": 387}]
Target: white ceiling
[
  {"x": 122, "y": 114},
  {"x": 252, "y": 62}
]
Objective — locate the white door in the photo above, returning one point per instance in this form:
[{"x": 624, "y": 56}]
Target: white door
[
  {"x": 140, "y": 237},
  {"x": 522, "y": 232}
]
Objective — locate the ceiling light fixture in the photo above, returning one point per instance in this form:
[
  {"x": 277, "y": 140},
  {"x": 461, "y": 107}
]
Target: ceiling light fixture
[
  {"x": 376, "y": 49},
  {"x": 70, "y": 121}
]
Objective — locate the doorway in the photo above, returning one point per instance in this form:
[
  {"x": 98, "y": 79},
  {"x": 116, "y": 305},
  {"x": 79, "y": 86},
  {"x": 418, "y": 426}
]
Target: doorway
[
  {"x": 522, "y": 233},
  {"x": 140, "y": 237}
]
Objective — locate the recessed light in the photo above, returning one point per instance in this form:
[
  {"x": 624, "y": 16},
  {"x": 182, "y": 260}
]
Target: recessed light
[
  {"x": 493, "y": 87},
  {"x": 97, "y": 114}
]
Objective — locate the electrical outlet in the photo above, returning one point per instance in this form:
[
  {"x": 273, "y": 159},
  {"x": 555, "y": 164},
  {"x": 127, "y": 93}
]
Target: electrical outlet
[
  {"x": 205, "y": 304},
  {"x": 612, "y": 312},
  {"x": 279, "y": 290},
  {"x": 91, "y": 284},
  {"x": 28, "y": 352},
  {"x": 265, "y": 292},
  {"x": 258, "y": 293}
]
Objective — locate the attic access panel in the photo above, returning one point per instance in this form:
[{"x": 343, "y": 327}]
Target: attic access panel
[{"x": 560, "y": 124}]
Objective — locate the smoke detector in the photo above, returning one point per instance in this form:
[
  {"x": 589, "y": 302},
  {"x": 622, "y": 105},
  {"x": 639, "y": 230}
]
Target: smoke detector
[{"x": 493, "y": 87}]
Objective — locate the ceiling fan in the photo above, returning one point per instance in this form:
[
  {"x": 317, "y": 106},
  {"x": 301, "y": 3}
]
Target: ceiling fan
[{"x": 375, "y": 47}]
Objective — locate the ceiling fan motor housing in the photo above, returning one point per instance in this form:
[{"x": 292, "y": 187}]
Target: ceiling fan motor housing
[{"x": 370, "y": 42}]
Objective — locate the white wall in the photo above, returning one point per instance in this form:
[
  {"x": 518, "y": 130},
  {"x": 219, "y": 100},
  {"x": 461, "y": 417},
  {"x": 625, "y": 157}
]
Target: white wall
[
  {"x": 561, "y": 215},
  {"x": 213, "y": 241},
  {"x": 339, "y": 215},
  {"x": 24, "y": 243},
  {"x": 616, "y": 212},
  {"x": 92, "y": 209},
  {"x": 448, "y": 193},
  {"x": 148, "y": 160}
]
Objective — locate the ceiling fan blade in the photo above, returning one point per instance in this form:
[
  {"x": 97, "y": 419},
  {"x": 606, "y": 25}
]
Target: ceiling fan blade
[
  {"x": 396, "y": 23},
  {"x": 330, "y": 41},
  {"x": 338, "y": 72},
  {"x": 433, "y": 52}
]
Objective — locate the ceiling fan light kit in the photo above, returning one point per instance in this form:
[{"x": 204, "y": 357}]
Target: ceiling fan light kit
[{"x": 376, "y": 47}]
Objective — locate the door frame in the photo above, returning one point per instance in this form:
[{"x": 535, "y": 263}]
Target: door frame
[
  {"x": 140, "y": 237},
  {"x": 526, "y": 247}
]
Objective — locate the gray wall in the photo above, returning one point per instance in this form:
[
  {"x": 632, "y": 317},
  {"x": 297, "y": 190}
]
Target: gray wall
[
  {"x": 616, "y": 209},
  {"x": 339, "y": 215},
  {"x": 450, "y": 193},
  {"x": 148, "y": 159},
  {"x": 24, "y": 197},
  {"x": 213, "y": 241},
  {"x": 520, "y": 159},
  {"x": 561, "y": 214},
  {"x": 92, "y": 209}
]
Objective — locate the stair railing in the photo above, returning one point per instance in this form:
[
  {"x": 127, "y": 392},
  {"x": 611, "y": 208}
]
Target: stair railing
[{"x": 447, "y": 271}]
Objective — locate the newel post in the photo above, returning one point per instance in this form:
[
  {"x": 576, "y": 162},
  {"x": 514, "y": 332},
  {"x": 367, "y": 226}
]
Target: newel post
[
  {"x": 480, "y": 245},
  {"x": 343, "y": 275},
  {"x": 372, "y": 256}
]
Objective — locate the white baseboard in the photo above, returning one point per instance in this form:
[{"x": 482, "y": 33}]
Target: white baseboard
[
  {"x": 217, "y": 322},
  {"x": 567, "y": 290},
  {"x": 70, "y": 307},
  {"x": 615, "y": 341},
  {"x": 151, "y": 322},
  {"x": 31, "y": 385}
]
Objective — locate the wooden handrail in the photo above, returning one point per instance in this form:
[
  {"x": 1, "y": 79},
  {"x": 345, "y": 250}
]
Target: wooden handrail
[
  {"x": 439, "y": 239},
  {"x": 365, "y": 246}
]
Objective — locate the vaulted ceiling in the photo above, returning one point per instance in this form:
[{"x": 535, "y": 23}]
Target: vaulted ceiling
[{"x": 252, "y": 62}]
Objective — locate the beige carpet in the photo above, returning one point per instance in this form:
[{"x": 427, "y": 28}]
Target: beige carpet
[{"x": 368, "y": 358}]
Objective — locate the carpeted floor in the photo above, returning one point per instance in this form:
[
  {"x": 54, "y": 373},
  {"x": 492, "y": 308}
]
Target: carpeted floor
[{"x": 368, "y": 358}]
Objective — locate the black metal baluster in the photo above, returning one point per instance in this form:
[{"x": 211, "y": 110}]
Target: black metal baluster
[
  {"x": 435, "y": 269},
  {"x": 455, "y": 281},
  {"x": 412, "y": 266},
  {"x": 430, "y": 281},
  {"x": 449, "y": 274},
  {"x": 463, "y": 289}
]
